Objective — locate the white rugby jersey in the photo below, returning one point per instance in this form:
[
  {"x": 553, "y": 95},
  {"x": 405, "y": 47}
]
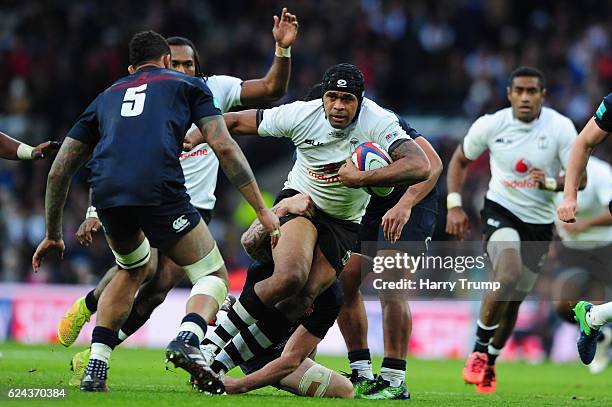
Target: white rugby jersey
[
  {"x": 592, "y": 201},
  {"x": 200, "y": 165},
  {"x": 322, "y": 149},
  {"x": 515, "y": 147}
]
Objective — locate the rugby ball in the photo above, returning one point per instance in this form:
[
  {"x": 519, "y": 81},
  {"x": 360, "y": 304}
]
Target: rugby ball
[{"x": 370, "y": 156}]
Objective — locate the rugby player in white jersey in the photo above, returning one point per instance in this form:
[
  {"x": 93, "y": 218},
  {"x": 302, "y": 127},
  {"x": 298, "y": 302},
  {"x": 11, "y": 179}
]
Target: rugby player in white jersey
[
  {"x": 200, "y": 168},
  {"x": 528, "y": 146},
  {"x": 314, "y": 250},
  {"x": 590, "y": 317},
  {"x": 582, "y": 256}
]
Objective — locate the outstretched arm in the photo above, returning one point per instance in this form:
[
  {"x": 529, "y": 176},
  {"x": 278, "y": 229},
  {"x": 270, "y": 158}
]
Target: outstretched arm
[
  {"x": 12, "y": 149},
  {"x": 244, "y": 122},
  {"x": 238, "y": 171},
  {"x": 300, "y": 345},
  {"x": 274, "y": 84}
]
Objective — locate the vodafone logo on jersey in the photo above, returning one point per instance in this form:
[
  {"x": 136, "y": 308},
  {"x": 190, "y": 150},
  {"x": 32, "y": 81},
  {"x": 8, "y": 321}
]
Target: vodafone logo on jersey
[
  {"x": 199, "y": 153},
  {"x": 522, "y": 167}
]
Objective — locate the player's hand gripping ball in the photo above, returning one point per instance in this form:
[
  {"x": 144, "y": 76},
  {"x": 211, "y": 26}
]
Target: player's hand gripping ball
[{"x": 370, "y": 156}]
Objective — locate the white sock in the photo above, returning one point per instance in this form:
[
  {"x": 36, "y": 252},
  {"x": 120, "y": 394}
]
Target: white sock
[
  {"x": 122, "y": 336},
  {"x": 599, "y": 315},
  {"x": 100, "y": 351},
  {"x": 364, "y": 368},
  {"x": 193, "y": 328},
  {"x": 393, "y": 376}
]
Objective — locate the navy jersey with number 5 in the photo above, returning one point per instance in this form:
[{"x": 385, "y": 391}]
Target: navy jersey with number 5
[{"x": 136, "y": 129}]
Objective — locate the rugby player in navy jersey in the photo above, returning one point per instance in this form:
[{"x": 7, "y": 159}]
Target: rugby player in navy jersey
[
  {"x": 11, "y": 149},
  {"x": 200, "y": 167},
  {"x": 590, "y": 317},
  {"x": 408, "y": 214},
  {"x": 142, "y": 200}
]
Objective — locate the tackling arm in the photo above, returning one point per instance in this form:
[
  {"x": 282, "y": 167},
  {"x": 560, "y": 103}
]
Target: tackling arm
[
  {"x": 298, "y": 347},
  {"x": 256, "y": 241}
]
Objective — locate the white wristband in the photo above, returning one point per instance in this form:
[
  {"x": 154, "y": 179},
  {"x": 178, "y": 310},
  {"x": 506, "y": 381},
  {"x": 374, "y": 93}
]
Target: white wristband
[
  {"x": 91, "y": 212},
  {"x": 453, "y": 200},
  {"x": 282, "y": 52},
  {"x": 24, "y": 151},
  {"x": 550, "y": 184}
]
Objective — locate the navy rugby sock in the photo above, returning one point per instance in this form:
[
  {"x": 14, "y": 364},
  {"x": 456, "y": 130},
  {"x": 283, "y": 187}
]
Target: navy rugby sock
[
  {"x": 91, "y": 302},
  {"x": 193, "y": 329}
]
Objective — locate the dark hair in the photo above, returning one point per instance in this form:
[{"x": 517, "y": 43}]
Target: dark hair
[
  {"x": 178, "y": 41},
  {"x": 316, "y": 92},
  {"x": 147, "y": 46},
  {"x": 529, "y": 72}
]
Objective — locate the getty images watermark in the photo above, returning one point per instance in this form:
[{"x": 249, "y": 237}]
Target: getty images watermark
[
  {"x": 412, "y": 264},
  {"x": 464, "y": 271}
]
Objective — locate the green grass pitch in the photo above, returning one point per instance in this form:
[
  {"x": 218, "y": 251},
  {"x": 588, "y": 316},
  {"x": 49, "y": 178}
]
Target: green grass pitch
[{"x": 138, "y": 378}]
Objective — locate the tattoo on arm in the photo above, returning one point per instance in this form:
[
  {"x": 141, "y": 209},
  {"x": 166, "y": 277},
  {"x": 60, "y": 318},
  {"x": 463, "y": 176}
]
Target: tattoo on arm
[
  {"x": 404, "y": 149},
  {"x": 71, "y": 156},
  {"x": 232, "y": 160},
  {"x": 256, "y": 240}
]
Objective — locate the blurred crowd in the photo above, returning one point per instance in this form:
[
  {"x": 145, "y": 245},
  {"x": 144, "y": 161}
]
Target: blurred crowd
[{"x": 448, "y": 59}]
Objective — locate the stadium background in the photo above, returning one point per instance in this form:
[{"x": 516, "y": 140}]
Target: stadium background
[{"x": 440, "y": 64}]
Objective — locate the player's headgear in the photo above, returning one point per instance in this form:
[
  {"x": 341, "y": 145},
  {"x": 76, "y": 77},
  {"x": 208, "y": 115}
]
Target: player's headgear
[
  {"x": 178, "y": 41},
  {"x": 147, "y": 46},
  {"x": 345, "y": 77}
]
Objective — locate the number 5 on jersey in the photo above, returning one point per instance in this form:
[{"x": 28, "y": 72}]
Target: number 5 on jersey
[{"x": 133, "y": 101}]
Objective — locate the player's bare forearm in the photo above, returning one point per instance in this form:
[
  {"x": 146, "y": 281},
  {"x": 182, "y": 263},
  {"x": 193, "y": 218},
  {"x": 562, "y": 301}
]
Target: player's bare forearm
[
  {"x": 71, "y": 156},
  {"x": 415, "y": 193},
  {"x": 270, "y": 374},
  {"x": 298, "y": 347},
  {"x": 269, "y": 88},
  {"x": 8, "y": 147},
  {"x": 457, "y": 170},
  {"x": 241, "y": 123},
  {"x": 410, "y": 166},
  {"x": 588, "y": 138}
]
